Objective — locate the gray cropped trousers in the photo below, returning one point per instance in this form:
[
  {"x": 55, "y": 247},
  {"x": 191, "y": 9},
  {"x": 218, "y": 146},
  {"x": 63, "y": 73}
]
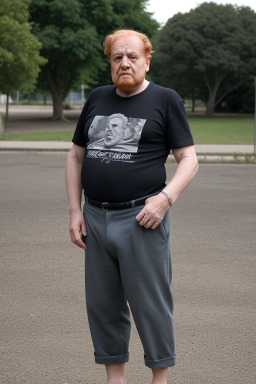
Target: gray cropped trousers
[{"x": 125, "y": 262}]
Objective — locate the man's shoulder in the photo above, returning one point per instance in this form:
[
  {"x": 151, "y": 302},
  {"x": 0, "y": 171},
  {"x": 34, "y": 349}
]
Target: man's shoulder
[
  {"x": 104, "y": 89},
  {"x": 166, "y": 92}
]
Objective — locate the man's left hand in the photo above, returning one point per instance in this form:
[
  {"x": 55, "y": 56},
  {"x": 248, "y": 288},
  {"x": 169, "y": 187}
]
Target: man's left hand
[{"x": 153, "y": 212}]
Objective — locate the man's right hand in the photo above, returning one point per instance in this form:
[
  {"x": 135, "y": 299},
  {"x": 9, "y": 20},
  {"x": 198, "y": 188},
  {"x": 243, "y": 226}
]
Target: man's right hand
[{"x": 77, "y": 228}]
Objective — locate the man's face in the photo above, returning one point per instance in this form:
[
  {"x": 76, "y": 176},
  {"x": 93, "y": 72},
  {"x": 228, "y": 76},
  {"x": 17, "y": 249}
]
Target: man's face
[
  {"x": 113, "y": 132},
  {"x": 128, "y": 63}
]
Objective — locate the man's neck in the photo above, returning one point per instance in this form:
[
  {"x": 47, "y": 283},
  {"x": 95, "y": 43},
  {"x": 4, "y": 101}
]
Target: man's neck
[{"x": 133, "y": 92}]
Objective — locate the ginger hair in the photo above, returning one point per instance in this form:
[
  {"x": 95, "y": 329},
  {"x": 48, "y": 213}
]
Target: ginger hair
[{"x": 119, "y": 33}]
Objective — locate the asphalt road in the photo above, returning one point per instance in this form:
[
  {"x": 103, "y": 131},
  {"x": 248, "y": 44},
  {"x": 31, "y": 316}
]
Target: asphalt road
[{"x": 44, "y": 331}]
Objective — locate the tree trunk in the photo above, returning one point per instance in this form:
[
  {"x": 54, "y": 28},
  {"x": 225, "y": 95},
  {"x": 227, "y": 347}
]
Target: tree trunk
[
  {"x": 1, "y": 125},
  {"x": 7, "y": 109},
  {"x": 210, "y": 106},
  {"x": 57, "y": 96},
  {"x": 193, "y": 102},
  {"x": 213, "y": 87},
  {"x": 211, "y": 103},
  {"x": 57, "y": 107}
]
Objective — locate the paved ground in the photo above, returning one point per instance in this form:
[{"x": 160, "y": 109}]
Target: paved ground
[
  {"x": 28, "y": 118},
  {"x": 44, "y": 331}
]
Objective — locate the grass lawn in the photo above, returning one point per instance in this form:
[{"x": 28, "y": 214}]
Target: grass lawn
[
  {"x": 222, "y": 130},
  {"x": 213, "y": 130},
  {"x": 40, "y": 136}
]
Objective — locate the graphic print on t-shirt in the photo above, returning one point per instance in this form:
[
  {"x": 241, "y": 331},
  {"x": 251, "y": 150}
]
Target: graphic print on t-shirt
[{"x": 115, "y": 133}]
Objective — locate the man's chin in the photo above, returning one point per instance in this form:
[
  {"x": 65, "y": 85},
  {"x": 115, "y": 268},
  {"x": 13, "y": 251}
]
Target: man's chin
[{"x": 125, "y": 85}]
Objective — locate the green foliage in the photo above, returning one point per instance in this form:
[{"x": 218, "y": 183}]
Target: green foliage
[
  {"x": 69, "y": 41},
  {"x": 210, "y": 46},
  {"x": 107, "y": 15},
  {"x": 19, "y": 49}
]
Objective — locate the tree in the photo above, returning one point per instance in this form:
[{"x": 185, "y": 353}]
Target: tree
[
  {"x": 210, "y": 51},
  {"x": 72, "y": 33},
  {"x": 19, "y": 49},
  {"x": 69, "y": 43},
  {"x": 241, "y": 99}
]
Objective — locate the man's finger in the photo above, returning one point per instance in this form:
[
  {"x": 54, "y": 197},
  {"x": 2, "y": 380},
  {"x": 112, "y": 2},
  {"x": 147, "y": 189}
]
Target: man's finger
[
  {"x": 80, "y": 244},
  {"x": 144, "y": 220},
  {"x": 140, "y": 216},
  {"x": 76, "y": 239},
  {"x": 148, "y": 224},
  {"x": 154, "y": 225}
]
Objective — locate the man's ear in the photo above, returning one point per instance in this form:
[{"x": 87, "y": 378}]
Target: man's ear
[{"x": 148, "y": 63}]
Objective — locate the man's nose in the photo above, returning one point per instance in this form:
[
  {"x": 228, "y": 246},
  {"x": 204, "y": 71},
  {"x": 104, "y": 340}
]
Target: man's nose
[{"x": 125, "y": 62}]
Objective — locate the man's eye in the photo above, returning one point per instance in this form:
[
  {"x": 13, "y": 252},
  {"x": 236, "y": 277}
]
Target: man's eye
[
  {"x": 118, "y": 58},
  {"x": 133, "y": 57}
]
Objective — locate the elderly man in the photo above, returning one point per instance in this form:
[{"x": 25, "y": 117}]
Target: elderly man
[{"x": 125, "y": 225}]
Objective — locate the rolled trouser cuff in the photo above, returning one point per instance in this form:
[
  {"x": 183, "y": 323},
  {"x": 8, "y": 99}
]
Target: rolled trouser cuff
[
  {"x": 119, "y": 359},
  {"x": 160, "y": 364}
]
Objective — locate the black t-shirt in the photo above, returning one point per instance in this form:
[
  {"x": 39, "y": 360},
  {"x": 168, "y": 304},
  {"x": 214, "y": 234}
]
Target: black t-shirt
[{"x": 127, "y": 141}]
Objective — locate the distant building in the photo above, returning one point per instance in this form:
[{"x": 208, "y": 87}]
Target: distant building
[{"x": 3, "y": 99}]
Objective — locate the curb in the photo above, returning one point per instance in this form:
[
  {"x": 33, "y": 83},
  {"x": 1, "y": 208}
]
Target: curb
[
  {"x": 221, "y": 158},
  {"x": 35, "y": 146},
  {"x": 227, "y": 158}
]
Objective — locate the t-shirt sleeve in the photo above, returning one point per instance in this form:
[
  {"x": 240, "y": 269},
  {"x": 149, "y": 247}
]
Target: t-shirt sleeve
[
  {"x": 79, "y": 137},
  {"x": 178, "y": 130}
]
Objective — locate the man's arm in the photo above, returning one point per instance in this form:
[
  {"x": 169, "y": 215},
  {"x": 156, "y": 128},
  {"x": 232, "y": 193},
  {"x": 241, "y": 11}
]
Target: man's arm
[
  {"x": 156, "y": 206},
  {"x": 74, "y": 192}
]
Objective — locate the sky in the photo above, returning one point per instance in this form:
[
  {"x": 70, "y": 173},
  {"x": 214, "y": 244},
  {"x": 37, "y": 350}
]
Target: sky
[{"x": 165, "y": 9}]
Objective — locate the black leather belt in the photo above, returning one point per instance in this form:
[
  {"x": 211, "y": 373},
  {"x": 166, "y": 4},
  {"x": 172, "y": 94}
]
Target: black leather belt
[{"x": 117, "y": 206}]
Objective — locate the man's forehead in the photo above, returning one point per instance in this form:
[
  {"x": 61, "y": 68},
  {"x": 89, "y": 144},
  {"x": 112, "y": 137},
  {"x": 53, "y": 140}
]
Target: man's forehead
[
  {"x": 129, "y": 43},
  {"x": 115, "y": 119}
]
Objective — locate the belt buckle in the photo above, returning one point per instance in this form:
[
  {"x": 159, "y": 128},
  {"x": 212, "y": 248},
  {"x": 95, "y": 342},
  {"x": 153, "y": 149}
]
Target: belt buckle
[{"x": 103, "y": 206}]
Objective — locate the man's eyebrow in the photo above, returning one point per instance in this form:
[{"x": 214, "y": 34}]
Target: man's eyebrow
[
  {"x": 132, "y": 51},
  {"x": 119, "y": 52},
  {"x": 128, "y": 50}
]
